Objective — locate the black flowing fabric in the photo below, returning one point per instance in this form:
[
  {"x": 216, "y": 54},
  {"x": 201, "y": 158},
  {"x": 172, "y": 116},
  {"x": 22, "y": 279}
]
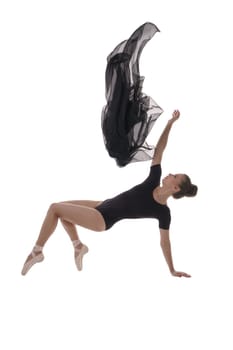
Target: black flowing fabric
[{"x": 129, "y": 114}]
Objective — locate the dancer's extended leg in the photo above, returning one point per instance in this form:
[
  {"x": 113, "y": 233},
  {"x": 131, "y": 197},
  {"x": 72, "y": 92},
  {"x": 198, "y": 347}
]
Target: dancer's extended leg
[{"x": 70, "y": 214}]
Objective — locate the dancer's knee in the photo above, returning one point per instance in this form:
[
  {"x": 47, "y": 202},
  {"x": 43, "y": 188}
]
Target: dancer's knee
[{"x": 53, "y": 209}]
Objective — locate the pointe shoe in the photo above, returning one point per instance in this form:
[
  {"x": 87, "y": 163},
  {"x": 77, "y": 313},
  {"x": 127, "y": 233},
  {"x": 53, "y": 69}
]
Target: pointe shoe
[
  {"x": 78, "y": 256},
  {"x": 34, "y": 259}
]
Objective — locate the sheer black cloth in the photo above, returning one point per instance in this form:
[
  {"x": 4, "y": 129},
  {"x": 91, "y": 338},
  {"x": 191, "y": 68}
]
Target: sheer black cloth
[{"x": 129, "y": 114}]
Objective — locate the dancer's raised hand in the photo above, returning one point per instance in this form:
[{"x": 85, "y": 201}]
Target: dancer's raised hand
[{"x": 175, "y": 116}]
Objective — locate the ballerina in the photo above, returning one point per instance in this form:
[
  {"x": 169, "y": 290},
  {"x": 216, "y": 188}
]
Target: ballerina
[{"x": 146, "y": 200}]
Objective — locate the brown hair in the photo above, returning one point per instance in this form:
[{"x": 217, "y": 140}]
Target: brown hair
[{"x": 187, "y": 189}]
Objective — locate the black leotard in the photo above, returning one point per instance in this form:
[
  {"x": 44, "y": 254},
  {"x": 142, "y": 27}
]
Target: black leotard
[{"x": 138, "y": 202}]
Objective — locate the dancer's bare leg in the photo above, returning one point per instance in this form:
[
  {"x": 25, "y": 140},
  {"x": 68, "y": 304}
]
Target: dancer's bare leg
[
  {"x": 69, "y": 227},
  {"x": 71, "y": 214},
  {"x": 79, "y": 248},
  {"x": 87, "y": 217},
  {"x": 84, "y": 203},
  {"x": 71, "y": 230}
]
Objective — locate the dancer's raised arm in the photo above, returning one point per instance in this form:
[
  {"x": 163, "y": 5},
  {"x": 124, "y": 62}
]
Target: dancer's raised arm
[{"x": 161, "y": 145}]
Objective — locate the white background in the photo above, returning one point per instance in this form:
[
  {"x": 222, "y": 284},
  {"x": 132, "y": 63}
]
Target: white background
[{"x": 52, "y": 66}]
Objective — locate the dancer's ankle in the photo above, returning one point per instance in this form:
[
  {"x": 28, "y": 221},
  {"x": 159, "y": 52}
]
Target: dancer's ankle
[
  {"x": 37, "y": 248},
  {"x": 77, "y": 244}
]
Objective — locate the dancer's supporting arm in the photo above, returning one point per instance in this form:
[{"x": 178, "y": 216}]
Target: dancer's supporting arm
[
  {"x": 161, "y": 145},
  {"x": 166, "y": 248}
]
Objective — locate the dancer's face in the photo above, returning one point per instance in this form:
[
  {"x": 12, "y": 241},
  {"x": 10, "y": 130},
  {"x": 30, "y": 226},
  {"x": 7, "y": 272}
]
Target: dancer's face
[{"x": 173, "y": 181}]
